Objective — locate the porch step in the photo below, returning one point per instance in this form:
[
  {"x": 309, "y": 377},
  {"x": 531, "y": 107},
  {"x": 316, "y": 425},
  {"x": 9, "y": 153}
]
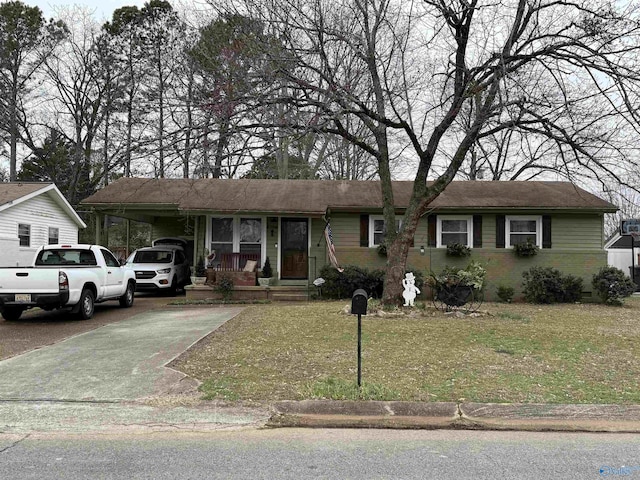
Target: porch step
[{"x": 288, "y": 293}]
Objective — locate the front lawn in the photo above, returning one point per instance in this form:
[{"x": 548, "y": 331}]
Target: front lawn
[{"x": 582, "y": 353}]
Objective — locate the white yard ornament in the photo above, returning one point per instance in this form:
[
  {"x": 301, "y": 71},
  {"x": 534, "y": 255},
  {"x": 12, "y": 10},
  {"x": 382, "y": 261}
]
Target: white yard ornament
[{"x": 410, "y": 289}]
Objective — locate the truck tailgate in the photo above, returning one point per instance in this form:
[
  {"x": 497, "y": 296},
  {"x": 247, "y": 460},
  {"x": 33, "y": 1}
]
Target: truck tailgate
[{"x": 29, "y": 280}]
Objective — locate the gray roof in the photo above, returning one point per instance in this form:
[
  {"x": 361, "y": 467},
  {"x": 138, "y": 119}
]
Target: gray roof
[
  {"x": 314, "y": 197},
  {"x": 9, "y": 192},
  {"x": 13, "y": 193}
]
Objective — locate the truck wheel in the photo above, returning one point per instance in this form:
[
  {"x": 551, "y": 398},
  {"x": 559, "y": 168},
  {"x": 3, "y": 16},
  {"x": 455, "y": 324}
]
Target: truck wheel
[
  {"x": 126, "y": 300},
  {"x": 11, "y": 313},
  {"x": 86, "y": 304}
]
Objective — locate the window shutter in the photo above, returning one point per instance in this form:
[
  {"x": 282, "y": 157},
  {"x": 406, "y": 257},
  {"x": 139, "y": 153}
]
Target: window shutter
[
  {"x": 477, "y": 231},
  {"x": 500, "y": 231},
  {"x": 364, "y": 230},
  {"x": 546, "y": 231},
  {"x": 431, "y": 230}
]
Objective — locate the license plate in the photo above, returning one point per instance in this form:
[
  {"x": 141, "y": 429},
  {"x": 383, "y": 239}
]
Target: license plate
[{"x": 23, "y": 297}]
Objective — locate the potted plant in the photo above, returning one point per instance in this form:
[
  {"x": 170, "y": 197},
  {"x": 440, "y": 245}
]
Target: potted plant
[
  {"x": 527, "y": 249},
  {"x": 458, "y": 250},
  {"x": 200, "y": 272},
  {"x": 210, "y": 273},
  {"x": 267, "y": 273},
  {"x": 456, "y": 287}
]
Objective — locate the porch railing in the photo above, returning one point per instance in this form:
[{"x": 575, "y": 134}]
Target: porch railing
[{"x": 235, "y": 262}]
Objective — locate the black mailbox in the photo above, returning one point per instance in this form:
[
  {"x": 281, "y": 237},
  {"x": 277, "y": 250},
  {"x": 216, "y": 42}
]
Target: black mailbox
[{"x": 359, "y": 302}]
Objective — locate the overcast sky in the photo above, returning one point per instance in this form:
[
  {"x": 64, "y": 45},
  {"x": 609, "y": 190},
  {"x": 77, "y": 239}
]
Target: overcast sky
[{"x": 103, "y": 9}]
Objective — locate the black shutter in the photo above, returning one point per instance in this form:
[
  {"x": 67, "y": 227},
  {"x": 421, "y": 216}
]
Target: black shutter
[
  {"x": 364, "y": 230},
  {"x": 500, "y": 231},
  {"x": 477, "y": 231},
  {"x": 546, "y": 231},
  {"x": 431, "y": 230}
]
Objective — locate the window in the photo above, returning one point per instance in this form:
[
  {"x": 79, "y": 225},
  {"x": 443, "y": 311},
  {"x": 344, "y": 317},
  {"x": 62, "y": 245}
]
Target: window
[
  {"x": 242, "y": 235},
  {"x": 109, "y": 259},
  {"x": 251, "y": 236},
  {"x": 24, "y": 234},
  {"x": 221, "y": 236},
  {"x": 377, "y": 230},
  {"x": 523, "y": 230},
  {"x": 454, "y": 229},
  {"x": 54, "y": 235}
]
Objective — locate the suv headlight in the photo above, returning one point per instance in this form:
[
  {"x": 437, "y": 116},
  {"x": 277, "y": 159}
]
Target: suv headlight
[{"x": 164, "y": 270}]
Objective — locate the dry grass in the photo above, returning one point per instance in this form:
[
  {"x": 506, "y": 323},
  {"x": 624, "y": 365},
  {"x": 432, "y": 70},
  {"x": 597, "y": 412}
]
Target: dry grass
[{"x": 583, "y": 353}]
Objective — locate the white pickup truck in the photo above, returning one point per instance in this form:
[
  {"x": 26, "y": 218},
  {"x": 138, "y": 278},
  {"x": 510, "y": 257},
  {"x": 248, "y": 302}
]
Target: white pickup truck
[{"x": 63, "y": 276}]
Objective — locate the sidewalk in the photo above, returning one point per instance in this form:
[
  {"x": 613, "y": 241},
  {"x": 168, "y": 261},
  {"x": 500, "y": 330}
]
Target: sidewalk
[{"x": 474, "y": 416}]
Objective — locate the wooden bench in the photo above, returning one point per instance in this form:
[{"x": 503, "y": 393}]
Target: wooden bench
[{"x": 240, "y": 267}]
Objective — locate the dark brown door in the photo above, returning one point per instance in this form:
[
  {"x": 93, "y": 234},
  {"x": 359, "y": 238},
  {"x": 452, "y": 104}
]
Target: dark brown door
[{"x": 294, "y": 248}]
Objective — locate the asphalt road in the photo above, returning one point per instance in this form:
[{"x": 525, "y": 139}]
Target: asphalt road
[
  {"x": 323, "y": 454},
  {"x": 37, "y": 328}
]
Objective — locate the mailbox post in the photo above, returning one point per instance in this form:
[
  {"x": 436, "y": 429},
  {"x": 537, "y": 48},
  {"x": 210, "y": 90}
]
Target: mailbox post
[{"x": 359, "y": 307}]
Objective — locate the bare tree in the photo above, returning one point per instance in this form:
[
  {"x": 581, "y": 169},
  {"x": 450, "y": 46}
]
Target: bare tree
[
  {"x": 26, "y": 40},
  {"x": 123, "y": 35},
  {"x": 78, "y": 85},
  {"x": 552, "y": 71}
]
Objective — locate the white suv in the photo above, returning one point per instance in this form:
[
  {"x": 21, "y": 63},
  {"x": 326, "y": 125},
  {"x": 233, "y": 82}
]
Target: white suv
[{"x": 161, "y": 268}]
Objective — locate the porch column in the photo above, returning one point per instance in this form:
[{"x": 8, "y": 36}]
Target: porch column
[
  {"x": 128, "y": 241},
  {"x": 99, "y": 219},
  {"x": 195, "y": 241}
]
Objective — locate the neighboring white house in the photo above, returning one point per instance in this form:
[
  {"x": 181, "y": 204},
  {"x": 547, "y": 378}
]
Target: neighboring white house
[{"x": 32, "y": 215}]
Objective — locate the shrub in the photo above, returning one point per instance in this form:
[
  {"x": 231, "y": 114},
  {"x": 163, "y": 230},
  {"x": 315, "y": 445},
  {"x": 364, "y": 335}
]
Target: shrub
[
  {"x": 342, "y": 285},
  {"x": 505, "y": 293},
  {"x": 224, "y": 287},
  {"x": 549, "y": 285},
  {"x": 612, "y": 285}
]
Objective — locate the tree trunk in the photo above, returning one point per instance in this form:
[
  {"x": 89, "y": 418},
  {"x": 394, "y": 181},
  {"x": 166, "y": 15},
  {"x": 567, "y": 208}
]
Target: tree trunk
[
  {"x": 221, "y": 145},
  {"x": 13, "y": 122},
  {"x": 397, "y": 252}
]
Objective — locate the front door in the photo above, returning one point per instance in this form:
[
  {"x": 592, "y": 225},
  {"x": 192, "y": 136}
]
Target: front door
[{"x": 294, "y": 248}]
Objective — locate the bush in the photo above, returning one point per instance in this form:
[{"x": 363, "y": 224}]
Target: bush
[
  {"x": 612, "y": 285},
  {"x": 342, "y": 285},
  {"x": 549, "y": 285},
  {"x": 505, "y": 293},
  {"x": 224, "y": 287}
]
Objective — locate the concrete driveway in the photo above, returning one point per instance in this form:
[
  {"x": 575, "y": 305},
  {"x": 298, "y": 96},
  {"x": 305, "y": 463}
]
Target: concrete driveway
[
  {"x": 119, "y": 361},
  {"x": 37, "y": 328}
]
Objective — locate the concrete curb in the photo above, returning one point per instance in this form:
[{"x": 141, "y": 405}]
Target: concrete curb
[{"x": 469, "y": 416}]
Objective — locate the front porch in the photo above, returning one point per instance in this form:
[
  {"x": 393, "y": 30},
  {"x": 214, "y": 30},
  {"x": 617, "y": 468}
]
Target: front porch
[{"x": 276, "y": 293}]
